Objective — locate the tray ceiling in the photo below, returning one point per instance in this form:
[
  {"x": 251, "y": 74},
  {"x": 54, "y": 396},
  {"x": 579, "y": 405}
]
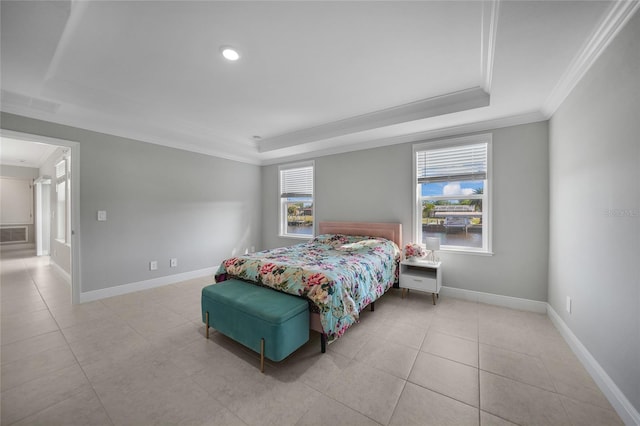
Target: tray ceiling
[{"x": 313, "y": 77}]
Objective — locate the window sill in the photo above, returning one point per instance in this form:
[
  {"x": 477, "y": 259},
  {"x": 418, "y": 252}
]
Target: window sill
[
  {"x": 463, "y": 251},
  {"x": 297, "y": 237}
]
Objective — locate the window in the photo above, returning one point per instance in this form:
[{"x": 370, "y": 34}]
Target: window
[
  {"x": 296, "y": 200},
  {"x": 452, "y": 193},
  {"x": 63, "y": 201}
]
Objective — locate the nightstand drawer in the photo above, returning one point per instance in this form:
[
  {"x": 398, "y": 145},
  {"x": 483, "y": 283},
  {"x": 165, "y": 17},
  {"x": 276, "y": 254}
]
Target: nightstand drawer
[
  {"x": 417, "y": 282},
  {"x": 421, "y": 276}
]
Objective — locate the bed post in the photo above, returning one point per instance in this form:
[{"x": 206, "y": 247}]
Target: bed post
[
  {"x": 323, "y": 342},
  {"x": 373, "y": 306}
]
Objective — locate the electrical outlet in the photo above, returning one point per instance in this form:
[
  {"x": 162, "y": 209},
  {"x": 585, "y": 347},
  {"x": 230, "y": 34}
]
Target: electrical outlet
[
  {"x": 568, "y": 304},
  {"x": 153, "y": 265},
  {"x": 173, "y": 262}
]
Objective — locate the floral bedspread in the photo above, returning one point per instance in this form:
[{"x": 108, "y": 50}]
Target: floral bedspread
[{"x": 339, "y": 274}]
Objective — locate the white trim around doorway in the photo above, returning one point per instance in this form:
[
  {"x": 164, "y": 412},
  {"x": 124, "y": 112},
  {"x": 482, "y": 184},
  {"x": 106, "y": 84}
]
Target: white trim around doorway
[{"x": 76, "y": 284}]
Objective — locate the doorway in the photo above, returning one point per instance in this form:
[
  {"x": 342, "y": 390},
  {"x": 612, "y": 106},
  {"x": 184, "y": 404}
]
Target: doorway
[{"x": 61, "y": 218}]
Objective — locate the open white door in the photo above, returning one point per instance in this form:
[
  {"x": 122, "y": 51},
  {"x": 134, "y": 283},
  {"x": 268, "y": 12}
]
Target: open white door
[{"x": 43, "y": 218}]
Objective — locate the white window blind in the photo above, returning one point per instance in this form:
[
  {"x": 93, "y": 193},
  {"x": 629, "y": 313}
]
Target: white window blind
[
  {"x": 452, "y": 164},
  {"x": 452, "y": 190},
  {"x": 61, "y": 169},
  {"x": 296, "y": 182}
]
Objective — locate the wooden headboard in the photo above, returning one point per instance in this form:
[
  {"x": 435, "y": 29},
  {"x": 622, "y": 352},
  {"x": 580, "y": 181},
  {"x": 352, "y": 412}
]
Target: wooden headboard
[{"x": 390, "y": 231}]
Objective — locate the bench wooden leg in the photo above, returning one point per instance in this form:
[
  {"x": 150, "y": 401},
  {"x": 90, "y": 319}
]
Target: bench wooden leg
[
  {"x": 262, "y": 355},
  {"x": 206, "y": 316}
]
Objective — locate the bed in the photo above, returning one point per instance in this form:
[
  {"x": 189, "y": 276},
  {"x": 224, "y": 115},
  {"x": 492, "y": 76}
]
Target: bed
[{"x": 345, "y": 268}]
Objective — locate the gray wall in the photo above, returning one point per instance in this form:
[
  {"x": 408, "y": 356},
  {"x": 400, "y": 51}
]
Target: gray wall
[
  {"x": 19, "y": 172},
  {"x": 160, "y": 202},
  {"x": 375, "y": 185},
  {"x": 22, "y": 173},
  {"x": 595, "y": 210}
]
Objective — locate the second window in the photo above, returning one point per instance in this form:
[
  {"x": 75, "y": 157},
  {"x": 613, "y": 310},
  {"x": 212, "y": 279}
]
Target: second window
[{"x": 452, "y": 193}]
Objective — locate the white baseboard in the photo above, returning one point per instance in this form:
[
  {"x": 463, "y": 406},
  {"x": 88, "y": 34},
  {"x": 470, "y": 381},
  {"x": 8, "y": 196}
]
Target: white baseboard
[
  {"x": 18, "y": 246},
  {"x": 618, "y": 400},
  {"x": 620, "y": 403},
  {"x": 64, "y": 274},
  {"x": 90, "y": 296},
  {"x": 495, "y": 299}
]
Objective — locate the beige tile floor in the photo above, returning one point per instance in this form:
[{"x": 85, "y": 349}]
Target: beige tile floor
[{"x": 142, "y": 359}]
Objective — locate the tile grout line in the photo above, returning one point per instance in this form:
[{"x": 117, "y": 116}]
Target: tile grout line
[
  {"x": 26, "y": 268},
  {"x": 433, "y": 390},
  {"x": 480, "y": 410},
  {"x": 443, "y": 394},
  {"x": 72, "y": 353},
  {"x": 479, "y": 320},
  {"x": 555, "y": 388},
  {"x": 404, "y": 386},
  {"x": 478, "y": 337},
  {"x": 479, "y": 371},
  {"x": 206, "y": 391},
  {"x": 554, "y": 391}
]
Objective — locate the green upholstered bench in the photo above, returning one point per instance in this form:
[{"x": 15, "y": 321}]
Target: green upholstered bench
[{"x": 267, "y": 321}]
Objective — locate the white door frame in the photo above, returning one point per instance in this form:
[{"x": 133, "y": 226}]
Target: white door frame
[{"x": 76, "y": 284}]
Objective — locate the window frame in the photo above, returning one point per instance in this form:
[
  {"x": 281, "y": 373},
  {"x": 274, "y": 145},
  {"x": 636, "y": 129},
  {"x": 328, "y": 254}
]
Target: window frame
[
  {"x": 487, "y": 206},
  {"x": 66, "y": 179},
  {"x": 282, "y": 201}
]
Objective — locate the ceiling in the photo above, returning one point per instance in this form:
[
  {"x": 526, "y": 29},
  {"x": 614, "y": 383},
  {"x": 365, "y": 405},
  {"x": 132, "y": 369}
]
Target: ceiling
[
  {"x": 313, "y": 77},
  {"x": 16, "y": 152}
]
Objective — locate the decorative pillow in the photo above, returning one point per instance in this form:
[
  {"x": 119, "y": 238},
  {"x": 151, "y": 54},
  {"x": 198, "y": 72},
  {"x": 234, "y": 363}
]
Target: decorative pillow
[
  {"x": 359, "y": 245},
  {"x": 412, "y": 251},
  {"x": 330, "y": 239}
]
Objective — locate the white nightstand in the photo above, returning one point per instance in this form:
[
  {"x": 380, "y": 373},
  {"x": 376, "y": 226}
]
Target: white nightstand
[{"x": 422, "y": 276}]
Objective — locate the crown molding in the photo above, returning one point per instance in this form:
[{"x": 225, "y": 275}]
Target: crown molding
[
  {"x": 490, "y": 13},
  {"x": 445, "y": 104},
  {"x": 481, "y": 126},
  {"x": 127, "y": 133},
  {"x": 531, "y": 117},
  {"x": 619, "y": 13}
]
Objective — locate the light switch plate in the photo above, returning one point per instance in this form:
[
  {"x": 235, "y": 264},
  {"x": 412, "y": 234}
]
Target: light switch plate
[{"x": 102, "y": 215}]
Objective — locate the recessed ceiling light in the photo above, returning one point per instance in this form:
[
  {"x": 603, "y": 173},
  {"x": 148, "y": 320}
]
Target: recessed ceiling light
[{"x": 229, "y": 53}]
